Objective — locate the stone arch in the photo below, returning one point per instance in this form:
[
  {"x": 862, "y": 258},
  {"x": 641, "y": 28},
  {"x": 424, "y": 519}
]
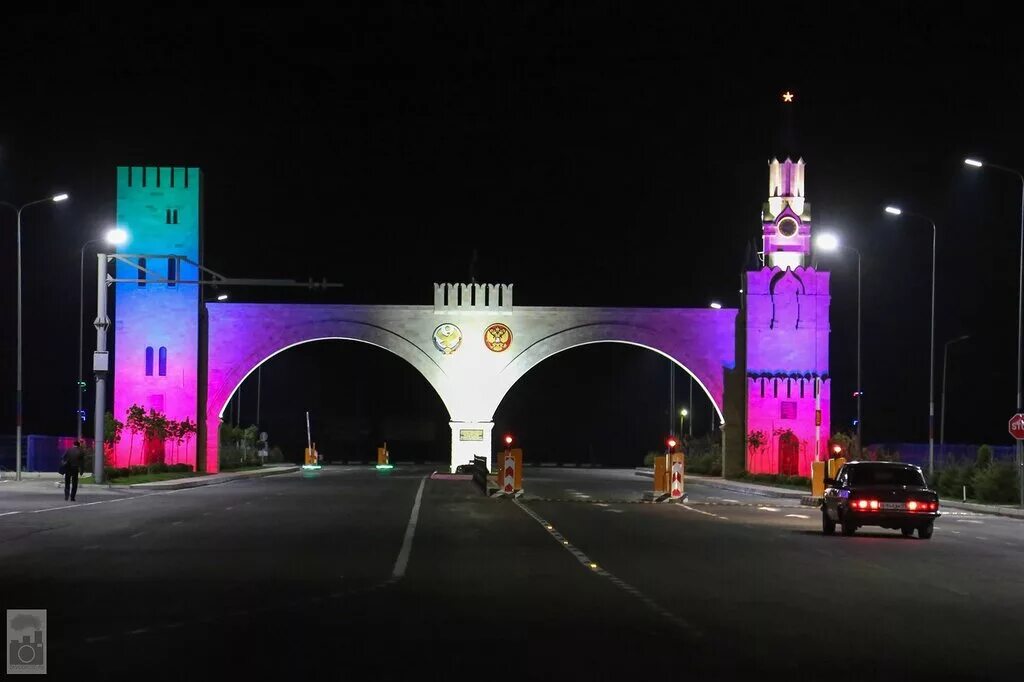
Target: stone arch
[
  {"x": 233, "y": 356},
  {"x": 703, "y": 361}
]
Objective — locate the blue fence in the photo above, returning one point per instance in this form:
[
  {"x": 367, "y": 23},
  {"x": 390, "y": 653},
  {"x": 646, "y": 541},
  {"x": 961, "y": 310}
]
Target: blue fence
[
  {"x": 38, "y": 453},
  {"x": 917, "y": 453}
]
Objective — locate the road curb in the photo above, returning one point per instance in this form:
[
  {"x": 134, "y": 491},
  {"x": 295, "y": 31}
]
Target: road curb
[{"x": 200, "y": 482}]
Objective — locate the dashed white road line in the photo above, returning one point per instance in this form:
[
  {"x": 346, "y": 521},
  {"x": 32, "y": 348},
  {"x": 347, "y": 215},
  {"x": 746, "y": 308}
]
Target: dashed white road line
[
  {"x": 613, "y": 511},
  {"x": 768, "y": 509},
  {"x": 9, "y": 513},
  {"x": 688, "y": 507},
  {"x": 969, "y": 521},
  {"x": 797, "y": 516},
  {"x": 594, "y": 568}
]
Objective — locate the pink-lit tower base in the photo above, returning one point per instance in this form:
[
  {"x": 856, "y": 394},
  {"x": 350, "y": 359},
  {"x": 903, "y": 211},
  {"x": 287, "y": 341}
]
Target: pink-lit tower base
[
  {"x": 787, "y": 333},
  {"x": 156, "y": 325}
]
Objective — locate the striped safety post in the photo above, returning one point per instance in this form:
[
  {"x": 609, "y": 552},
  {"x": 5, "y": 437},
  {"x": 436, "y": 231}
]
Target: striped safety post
[{"x": 676, "y": 490}]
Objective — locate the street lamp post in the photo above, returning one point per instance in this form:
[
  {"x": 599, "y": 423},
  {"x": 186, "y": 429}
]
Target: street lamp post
[
  {"x": 115, "y": 237},
  {"x": 942, "y": 419},
  {"x": 892, "y": 210},
  {"x": 1018, "y": 445},
  {"x": 829, "y": 242},
  {"x": 683, "y": 413},
  {"x": 18, "y": 401}
]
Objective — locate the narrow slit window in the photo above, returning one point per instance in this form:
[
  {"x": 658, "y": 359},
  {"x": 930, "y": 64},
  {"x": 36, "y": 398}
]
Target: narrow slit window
[
  {"x": 142, "y": 272},
  {"x": 172, "y": 271},
  {"x": 163, "y": 361},
  {"x": 149, "y": 361}
]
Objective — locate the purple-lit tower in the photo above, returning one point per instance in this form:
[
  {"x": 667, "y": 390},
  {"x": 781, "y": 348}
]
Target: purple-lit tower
[
  {"x": 787, "y": 334},
  {"x": 156, "y": 325}
]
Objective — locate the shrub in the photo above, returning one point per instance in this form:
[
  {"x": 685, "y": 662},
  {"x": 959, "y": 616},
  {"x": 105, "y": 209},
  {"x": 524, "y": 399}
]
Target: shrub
[
  {"x": 984, "y": 457},
  {"x": 275, "y": 455},
  {"x": 180, "y": 467},
  {"x": 996, "y": 482},
  {"x": 649, "y": 459}
]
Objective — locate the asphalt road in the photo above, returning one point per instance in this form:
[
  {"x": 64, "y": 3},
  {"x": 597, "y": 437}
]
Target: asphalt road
[{"x": 316, "y": 575}]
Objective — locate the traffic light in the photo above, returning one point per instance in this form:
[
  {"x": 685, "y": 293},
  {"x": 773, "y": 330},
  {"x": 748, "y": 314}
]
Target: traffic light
[
  {"x": 837, "y": 449},
  {"x": 508, "y": 439},
  {"x": 671, "y": 442}
]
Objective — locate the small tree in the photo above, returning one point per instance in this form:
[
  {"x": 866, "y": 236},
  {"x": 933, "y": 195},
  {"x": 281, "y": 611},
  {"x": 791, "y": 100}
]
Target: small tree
[
  {"x": 112, "y": 430},
  {"x": 136, "y": 423},
  {"x": 188, "y": 429},
  {"x": 155, "y": 427}
]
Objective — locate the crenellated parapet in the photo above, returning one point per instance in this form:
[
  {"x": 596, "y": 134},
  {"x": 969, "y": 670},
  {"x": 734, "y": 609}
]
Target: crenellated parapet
[{"x": 472, "y": 298}]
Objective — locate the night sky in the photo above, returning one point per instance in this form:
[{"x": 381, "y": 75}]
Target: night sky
[{"x": 591, "y": 153}]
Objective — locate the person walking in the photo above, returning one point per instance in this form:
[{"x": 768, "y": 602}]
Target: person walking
[{"x": 71, "y": 463}]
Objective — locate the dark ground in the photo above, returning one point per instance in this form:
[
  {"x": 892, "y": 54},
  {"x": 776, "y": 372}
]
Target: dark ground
[{"x": 292, "y": 576}]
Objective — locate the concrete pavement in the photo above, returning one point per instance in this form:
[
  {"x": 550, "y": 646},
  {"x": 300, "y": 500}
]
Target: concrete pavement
[{"x": 295, "y": 575}]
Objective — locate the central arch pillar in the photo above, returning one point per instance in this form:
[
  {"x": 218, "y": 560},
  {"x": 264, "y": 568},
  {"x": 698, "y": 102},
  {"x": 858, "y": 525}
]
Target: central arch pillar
[{"x": 471, "y": 439}]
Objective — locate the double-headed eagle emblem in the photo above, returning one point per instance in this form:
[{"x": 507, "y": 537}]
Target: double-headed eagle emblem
[{"x": 498, "y": 337}]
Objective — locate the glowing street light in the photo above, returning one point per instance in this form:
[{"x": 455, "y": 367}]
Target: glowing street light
[
  {"x": 829, "y": 242},
  {"x": 18, "y": 401},
  {"x": 222, "y": 297},
  {"x": 1019, "y": 447},
  {"x": 931, "y": 359},
  {"x": 115, "y": 236},
  {"x": 716, "y": 305}
]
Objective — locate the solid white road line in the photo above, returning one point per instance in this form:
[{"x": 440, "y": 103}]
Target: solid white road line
[{"x": 403, "y": 556}]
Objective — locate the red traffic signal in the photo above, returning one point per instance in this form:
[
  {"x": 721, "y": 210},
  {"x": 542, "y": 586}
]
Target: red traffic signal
[
  {"x": 672, "y": 442},
  {"x": 508, "y": 439},
  {"x": 837, "y": 448}
]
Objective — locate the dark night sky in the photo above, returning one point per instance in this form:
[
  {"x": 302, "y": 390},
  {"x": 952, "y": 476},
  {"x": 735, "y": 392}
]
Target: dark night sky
[{"x": 591, "y": 154}]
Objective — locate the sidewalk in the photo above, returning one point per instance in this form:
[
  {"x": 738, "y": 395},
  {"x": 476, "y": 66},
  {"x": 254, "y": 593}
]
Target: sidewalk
[
  {"x": 214, "y": 479},
  {"x": 47, "y": 482},
  {"x": 1009, "y": 511},
  {"x": 735, "y": 486}
]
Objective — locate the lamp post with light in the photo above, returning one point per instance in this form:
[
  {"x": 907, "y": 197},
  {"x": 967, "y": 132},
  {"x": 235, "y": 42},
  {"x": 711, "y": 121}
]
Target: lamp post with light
[
  {"x": 683, "y": 413},
  {"x": 1018, "y": 445},
  {"x": 830, "y": 242},
  {"x": 18, "y": 403},
  {"x": 942, "y": 419},
  {"x": 115, "y": 236},
  {"x": 893, "y": 210}
]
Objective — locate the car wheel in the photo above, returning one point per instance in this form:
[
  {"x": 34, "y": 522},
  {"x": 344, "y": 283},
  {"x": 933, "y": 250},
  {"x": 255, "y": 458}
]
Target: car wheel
[
  {"x": 924, "y": 532},
  {"x": 828, "y": 526},
  {"x": 907, "y": 532},
  {"x": 848, "y": 527}
]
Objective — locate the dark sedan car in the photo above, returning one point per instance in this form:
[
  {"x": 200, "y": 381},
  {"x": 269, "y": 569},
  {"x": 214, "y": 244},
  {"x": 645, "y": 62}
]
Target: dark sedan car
[{"x": 885, "y": 494}]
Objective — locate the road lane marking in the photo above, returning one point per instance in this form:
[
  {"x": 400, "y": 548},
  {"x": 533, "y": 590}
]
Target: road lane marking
[
  {"x": 771, "y": 509},
  {"x": 969, "y": 521},
  {"x": 403, "y": 555},
  {"x": 621, "y": 584},
  {"x": 9, "y": 513},
  {"x": 686, "y": 506},
  {"x": 797, "y": 516},
  {"x": 132, "y": 537},
  {"x": 177, "y": 523},
  {"x": 613, "y": 511}
]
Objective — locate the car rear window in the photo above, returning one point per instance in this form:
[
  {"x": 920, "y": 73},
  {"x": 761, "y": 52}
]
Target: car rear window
[{"x": 872, "y": 475}]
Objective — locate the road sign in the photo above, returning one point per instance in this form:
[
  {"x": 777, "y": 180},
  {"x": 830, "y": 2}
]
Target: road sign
[
  {"x": 263, "y": 437},
  {"x": 1017, "y": 426}
]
